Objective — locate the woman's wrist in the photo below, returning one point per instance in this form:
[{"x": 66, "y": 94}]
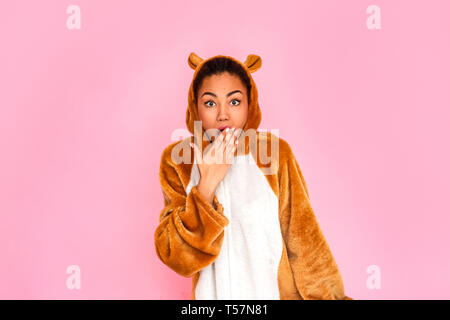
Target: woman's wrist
[{"x": 206, "y": 190}]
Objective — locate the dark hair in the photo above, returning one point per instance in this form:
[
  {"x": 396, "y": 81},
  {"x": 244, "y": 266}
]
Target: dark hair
[{"x": 218, "y": 66}]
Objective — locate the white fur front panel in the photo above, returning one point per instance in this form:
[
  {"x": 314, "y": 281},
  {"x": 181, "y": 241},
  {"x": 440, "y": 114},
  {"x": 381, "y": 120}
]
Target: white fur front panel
[{"x": 247, "y": 266}]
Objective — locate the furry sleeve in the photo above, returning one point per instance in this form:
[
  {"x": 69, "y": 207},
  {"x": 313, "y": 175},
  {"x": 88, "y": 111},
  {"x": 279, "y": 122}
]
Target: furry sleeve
[
  {"x": 315, "y": 271},
  {"x": 190, "y": 231}
]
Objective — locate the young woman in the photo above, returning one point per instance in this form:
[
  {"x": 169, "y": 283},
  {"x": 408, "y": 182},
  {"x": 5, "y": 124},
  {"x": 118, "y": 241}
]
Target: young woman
[{"x": 241, "y": 227}]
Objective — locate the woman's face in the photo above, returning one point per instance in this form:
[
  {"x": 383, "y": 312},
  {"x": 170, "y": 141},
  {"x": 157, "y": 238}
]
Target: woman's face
[{"x": 222, "y": 101}]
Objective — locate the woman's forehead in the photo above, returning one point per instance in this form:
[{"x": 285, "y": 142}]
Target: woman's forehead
[{"x": 224, "y": 82}]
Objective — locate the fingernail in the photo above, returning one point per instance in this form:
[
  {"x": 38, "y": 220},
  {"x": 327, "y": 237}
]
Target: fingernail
[{"x": 227, "y": 129}]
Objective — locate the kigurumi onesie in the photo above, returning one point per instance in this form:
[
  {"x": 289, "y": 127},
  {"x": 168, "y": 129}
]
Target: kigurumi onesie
[{"x": 259, "y": 239}]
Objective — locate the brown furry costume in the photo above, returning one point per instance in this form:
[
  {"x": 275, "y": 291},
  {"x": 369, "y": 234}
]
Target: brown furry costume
[{"x": 280, "y": 253}]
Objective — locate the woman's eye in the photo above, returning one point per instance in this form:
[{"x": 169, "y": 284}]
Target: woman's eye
[
  {"x": 238, "y": 101},
  {"x": 209, "y": 105}
]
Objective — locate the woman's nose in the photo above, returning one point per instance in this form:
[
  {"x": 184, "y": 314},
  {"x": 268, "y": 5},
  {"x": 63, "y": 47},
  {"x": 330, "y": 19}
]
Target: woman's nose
[{"x": 223, "y": 112}]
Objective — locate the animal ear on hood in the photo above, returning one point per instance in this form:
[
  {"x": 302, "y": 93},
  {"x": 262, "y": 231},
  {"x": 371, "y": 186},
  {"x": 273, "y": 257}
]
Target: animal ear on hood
[
  {"x": 253, "y": 62},
  {"x": 194, "y": 60}
]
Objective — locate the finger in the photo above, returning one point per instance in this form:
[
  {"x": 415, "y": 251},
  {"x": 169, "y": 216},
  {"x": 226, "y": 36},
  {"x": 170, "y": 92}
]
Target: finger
[
  {"x": 229, "y": 143},
  {"x": 237, "y": 135},
  {"x": 230, "y": 154},
  {"x": 222, "y": 136},
  {"x": 219, "y": 147},
  {"x": 209, "y": 154},
  {"x": 232, "y": 140},
  {"x": 217, "y": 139},
  {"x": 217, "y": 143},
  {"x": 225, "y": 143},
  {"x": 227, "y": 146},
  {"x": 234, "y": 144},
  {"x": 230, "y": 135}
]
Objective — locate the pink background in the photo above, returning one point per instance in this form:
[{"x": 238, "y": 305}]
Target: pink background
[{"x": 85, "y": 115}]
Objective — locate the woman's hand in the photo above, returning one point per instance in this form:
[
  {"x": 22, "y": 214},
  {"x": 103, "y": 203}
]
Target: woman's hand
[{"x": 215, "y": 162}]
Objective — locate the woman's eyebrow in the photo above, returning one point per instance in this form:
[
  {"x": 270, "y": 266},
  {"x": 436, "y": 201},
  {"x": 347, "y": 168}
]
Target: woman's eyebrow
[
  {"x": 229, "y": 94},
  {"x": 233, "y": 92}
]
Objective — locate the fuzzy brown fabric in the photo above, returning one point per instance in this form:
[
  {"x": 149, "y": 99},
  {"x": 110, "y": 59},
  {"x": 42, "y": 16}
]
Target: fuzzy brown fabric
[{"x": 190, "y": 233}]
